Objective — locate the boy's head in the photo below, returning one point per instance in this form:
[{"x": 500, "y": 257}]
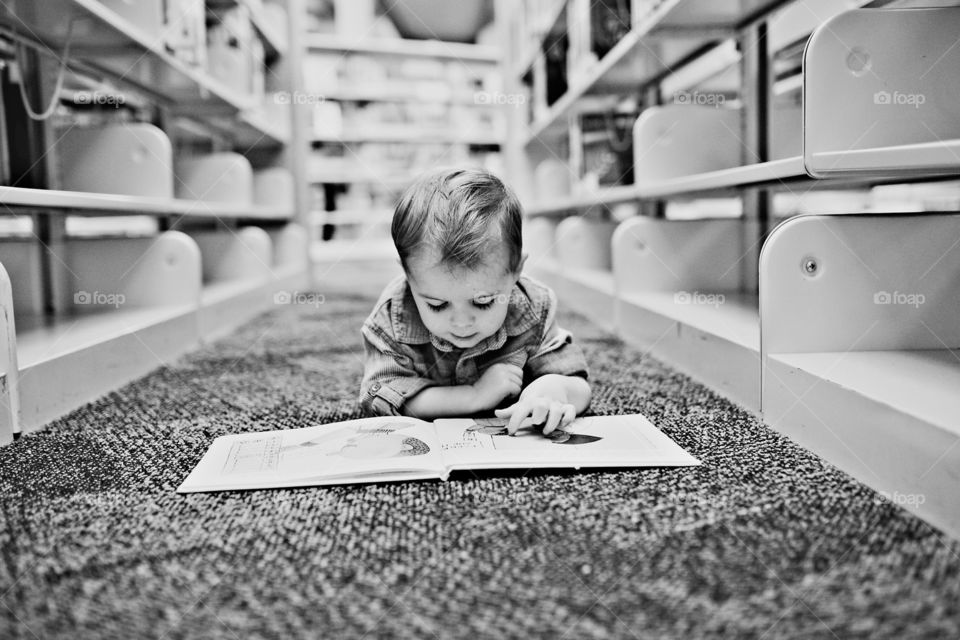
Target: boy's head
[
  {"x": 460, "y": 214},
  {"x": 458, "y": 234}
]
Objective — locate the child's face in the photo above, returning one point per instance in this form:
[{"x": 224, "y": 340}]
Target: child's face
[{"x": 461, "y": 306}]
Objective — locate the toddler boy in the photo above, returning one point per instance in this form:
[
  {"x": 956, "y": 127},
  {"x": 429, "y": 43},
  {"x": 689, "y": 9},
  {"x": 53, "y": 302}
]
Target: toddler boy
[{"x": 462, "y": 332}]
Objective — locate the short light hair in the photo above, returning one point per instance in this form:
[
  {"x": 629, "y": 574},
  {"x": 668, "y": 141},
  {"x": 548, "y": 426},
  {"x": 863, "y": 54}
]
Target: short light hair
[{"x": 462, "y": 214}]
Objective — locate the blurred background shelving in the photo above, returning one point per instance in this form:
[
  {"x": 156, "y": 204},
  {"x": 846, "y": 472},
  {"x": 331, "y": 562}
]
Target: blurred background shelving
[
  {"x": 666, "y": 143},
  {"x": 149, "y": 174},
  {"x": 395, "y": 92}
]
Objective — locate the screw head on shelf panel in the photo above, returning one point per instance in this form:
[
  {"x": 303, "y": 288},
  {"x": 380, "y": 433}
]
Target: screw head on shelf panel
[
  {"x": 858, "y": 61},
  {"x": 810, "y": 266}
]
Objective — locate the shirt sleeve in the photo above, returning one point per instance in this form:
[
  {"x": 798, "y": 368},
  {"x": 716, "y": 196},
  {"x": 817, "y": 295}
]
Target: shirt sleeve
[
  {"x": 556, "y": 351},
  {"x": 389, "y": 378}
]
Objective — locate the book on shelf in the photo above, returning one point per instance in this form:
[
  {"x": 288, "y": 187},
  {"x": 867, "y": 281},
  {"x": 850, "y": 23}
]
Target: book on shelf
[{"x": 385, "y": 449}]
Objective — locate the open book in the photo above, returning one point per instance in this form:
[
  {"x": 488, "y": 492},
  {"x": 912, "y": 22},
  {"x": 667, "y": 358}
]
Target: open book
[{"x": 391, "y": 448}]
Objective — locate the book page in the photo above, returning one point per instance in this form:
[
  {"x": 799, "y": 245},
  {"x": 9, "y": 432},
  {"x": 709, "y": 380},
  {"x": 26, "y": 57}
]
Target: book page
[
  {"x": 367, "y": 450},
  {"x": 595, "y": 441}
]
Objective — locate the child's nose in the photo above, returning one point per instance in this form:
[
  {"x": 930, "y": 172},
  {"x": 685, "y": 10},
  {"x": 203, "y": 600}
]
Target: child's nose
[{"x": 462, "y": 318}]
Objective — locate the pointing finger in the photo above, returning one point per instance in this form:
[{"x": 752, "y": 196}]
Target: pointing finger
[{"x": 553, "y": 418}]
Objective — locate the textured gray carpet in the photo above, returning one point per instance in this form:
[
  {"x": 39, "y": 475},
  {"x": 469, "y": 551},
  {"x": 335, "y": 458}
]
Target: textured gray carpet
[{"x": 764, "y": 540}]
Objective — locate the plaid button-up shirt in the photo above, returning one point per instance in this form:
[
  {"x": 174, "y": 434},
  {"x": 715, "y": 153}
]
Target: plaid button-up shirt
[{"x": 402, "y": 358}]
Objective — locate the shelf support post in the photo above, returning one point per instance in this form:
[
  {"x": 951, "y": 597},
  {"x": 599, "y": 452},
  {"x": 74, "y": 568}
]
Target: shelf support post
[
  {"x": 756, "y": 92},
  {"x": 9, "y": 371},
  {"x": 651, "y": 97},
  {"x": 297, "y": 150}
]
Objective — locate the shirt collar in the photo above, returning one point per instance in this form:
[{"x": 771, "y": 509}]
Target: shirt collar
[{"x": 409, "y": 328}]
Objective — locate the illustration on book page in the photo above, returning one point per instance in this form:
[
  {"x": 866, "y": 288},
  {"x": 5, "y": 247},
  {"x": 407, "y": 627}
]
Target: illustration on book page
[{"x": 297, "y": 452}]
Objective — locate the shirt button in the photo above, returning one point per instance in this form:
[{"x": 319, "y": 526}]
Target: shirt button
[{"x": 375, "y": 387}]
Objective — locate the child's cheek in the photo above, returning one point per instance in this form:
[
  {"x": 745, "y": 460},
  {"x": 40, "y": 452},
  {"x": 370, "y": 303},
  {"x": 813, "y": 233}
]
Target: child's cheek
[{"x": 500, "y": 316}]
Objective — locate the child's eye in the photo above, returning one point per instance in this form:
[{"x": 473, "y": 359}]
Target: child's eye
[
  {"x": 484, "y": 304},
  {"x": 437, "y": 307}
]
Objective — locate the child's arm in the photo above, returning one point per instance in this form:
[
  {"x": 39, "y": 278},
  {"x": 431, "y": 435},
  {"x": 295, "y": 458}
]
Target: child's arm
[
  {"x": 559, "y": 390},
  {"x": 390, "y": 376},
  {"x": 499, "y": 381},
  {"x": 391, "y": 385},
  {"x": 553, "y": 400}
]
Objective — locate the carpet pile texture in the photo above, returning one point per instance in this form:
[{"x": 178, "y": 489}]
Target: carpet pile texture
[{"x": 764, "y": 540}]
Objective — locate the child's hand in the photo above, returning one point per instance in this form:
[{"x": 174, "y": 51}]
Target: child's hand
[
  {"x": 545, "y": 401},
  {"x": 499, "y": 381}
]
